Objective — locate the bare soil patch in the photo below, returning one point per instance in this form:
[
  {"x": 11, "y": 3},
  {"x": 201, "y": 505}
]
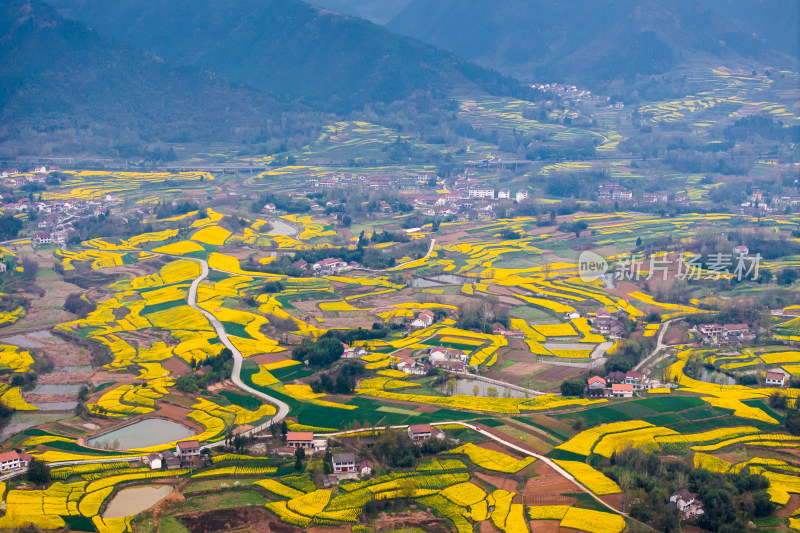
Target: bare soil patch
[
  {"x": 266, "y": 358},
  {"x": 505, "y": 483},
  {"x": 523, "y": 356},
  {"x": 677, "y": 334},
  {"x": 176, "y": 366},
  {"x": 547, "y": 487},
  {"x": 516, "y": 372},
  {"x": 252, "y": 518},
  {"x": 557, "y": 373},
  {"x": 421, "y": 519},
  {"x": 789, "y": 508},
  {"x": 545, "y": 526},
  {"x": 614, "y": 500}
]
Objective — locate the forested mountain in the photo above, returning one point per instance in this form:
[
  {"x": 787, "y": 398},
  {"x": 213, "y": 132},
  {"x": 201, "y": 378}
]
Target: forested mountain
[
  {"x": 64, "y": 87},
  {"x": 594, "y": 42},
  {"x": 378, "y": 11},
  {"x": 286, "y": 48}
]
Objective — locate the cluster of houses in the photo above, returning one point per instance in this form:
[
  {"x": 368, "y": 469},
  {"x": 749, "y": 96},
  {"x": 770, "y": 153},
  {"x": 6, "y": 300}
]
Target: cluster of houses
[
  {"x": 340, "y": 181},
  {"x": 186, "y": 452},
  {"x": 726, "y": 333},
  {"x": 330, "y": 266},
  {"x": 614, "y": 192},
  {"x": 621, "y": 384}
]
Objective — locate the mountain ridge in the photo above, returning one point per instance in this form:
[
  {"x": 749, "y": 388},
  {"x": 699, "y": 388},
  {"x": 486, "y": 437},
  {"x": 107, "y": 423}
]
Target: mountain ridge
[
  {"x": 286, "y": 48},
  {"x": 590, "y": 42}
]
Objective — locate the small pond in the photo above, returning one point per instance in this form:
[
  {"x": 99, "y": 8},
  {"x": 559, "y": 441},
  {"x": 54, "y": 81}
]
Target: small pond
[
  {"x": 466, "y": 386},
  {"x": 451, "y": 279},
  {"x": 57, "y": 389},
  {"x": 142, "y": 434},
  {"x": 22, "y": 420},
  {"x": 279, "y": 227},
  {"x": 134, "y": 500},
  {"x": 422, "y": 282}
]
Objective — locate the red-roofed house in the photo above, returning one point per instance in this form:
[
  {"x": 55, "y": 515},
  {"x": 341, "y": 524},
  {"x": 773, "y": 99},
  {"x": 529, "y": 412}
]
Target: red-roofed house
[
  {"x": 622, "y": 390},
  {"x": 187, "y": 448},
  {"x": 300, "y": 439},
  {"x": 419, "y": 431},
  {"x": 9, "y": 461},
  {"x": 776, "y": 379},
  {"x": 596, "y": 383}
]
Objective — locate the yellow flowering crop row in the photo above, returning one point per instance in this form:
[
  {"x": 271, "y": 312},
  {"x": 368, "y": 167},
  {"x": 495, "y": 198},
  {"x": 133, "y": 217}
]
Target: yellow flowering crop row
[
  {"x": 493, "y": 460},
  {"x": 383, "y": 382},
  {"x": 709, "y": 462},
  {"x": 286, "y": 515},
  {"x": 638, "y": 438},
  {"x": 213, "y": 235},
  {"x": 276, "y": 487},
  {"x": 592, "y": 521},
  {"x": 464, "y": 494},
  {"x": 12, "y": 316},
  {"x": 237, "y": 471},
  {"x": 594, "y": 480},
  {"x": 12, "y": 398},
  {"x": 338, "y": 306},
  {"x": 179, "y": 248},
  {"x": 583, "y": 442},
  {"x": 754, "y": 440}
]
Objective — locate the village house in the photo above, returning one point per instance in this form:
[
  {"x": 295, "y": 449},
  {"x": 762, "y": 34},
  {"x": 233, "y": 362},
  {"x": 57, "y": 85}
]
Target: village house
[
  {"x": 269, "y": 208},
  {"x": 331, "y": 265},
  {"x": 187, "y": 449},
  {"x": 300, "y": 439},
  {"x": 504, "y": 194},
  {"x": 410, "y": 366},
  {"x": 498, "y": 329},
  {"x": 452, "y": 365},
  {"x": 596, "y": 386},
  {"x": 9, "y": 461},
  {"x": 621, "y": 390},
  {"x": 741, "y": 250},
  {"x": 365, "y": 468},
  {"x": 424, "y": 319},
  {"x": 344, "y": 462},
  {"x": 637, "y": 379},
  {"x": 521, "y": 195},
  {"x": 480, "y": 193},
  {"x": 171, "y": 462},
  {"x": 154, "y": 460},
  {"x": 42, "y": 237},
  {"x": 420, "y": 432},
  {"x": 775, "y": 379}
]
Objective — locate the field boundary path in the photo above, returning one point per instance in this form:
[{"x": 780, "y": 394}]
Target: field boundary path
[
  {"x": 659, "y": 346},
  {"x": 282, "y": 407}
]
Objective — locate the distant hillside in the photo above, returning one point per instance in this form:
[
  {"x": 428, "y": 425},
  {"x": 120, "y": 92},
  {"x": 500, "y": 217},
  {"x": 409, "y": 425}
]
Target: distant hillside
[
  {"x": 589, "y": 41},
  {"x": 63, "y": 87},
  {"x": 378, "y": 11},
  {"x": 286, "y": 48}
]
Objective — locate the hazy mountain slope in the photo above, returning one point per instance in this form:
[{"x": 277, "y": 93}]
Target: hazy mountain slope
[
  {"x": 378, "y": 11},
  {"x": 588, "y": 41},
  {"x": 63, "y": 85},
  {"x": 284, "y": 47}
]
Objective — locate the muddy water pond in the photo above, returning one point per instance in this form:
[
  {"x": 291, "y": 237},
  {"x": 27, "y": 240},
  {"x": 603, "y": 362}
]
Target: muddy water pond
[
  {"x": 134, "y": 500},
  {"x": 142, "y": 434},
  {"x": 467, "y": 386}
]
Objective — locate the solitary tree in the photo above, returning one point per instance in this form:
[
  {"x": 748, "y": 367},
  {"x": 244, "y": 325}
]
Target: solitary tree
[
  {"x": 299, "y": 455},
  {"x": 38, "y": 472}
]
